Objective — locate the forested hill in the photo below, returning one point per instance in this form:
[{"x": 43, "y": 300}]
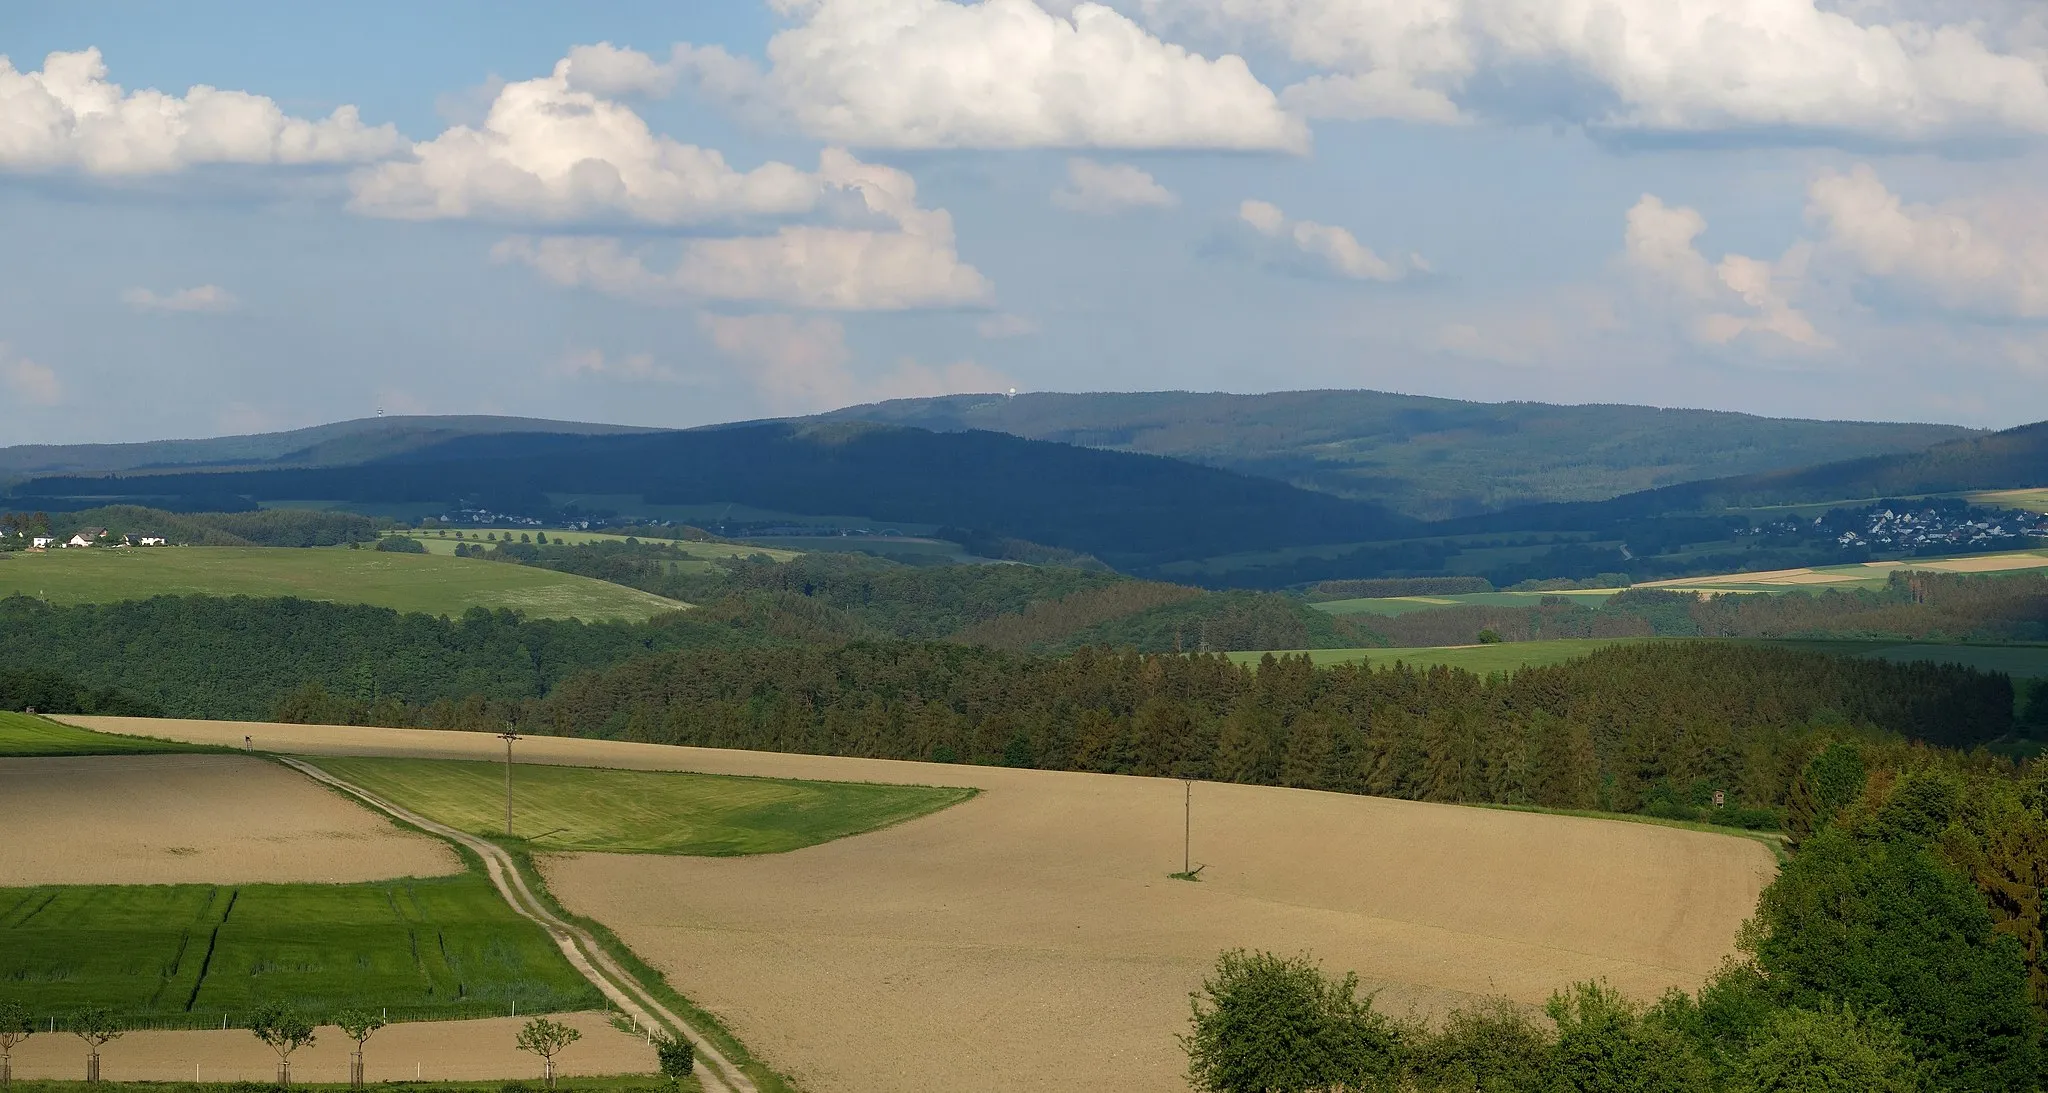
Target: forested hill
[
  {"x": 1424, "y": 457},
  {"x": 2012, "y": 459},
  {"x": 1130, "y": 510},
  {"x": 337, "y": 444}
]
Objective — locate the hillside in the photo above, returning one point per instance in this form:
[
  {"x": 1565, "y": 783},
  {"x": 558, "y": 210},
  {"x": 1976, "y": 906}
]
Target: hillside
[
  {"x": 1428, "y": 458},
  {"x": 1130, "y": 510},
  {"x": 337, "y": 444}
]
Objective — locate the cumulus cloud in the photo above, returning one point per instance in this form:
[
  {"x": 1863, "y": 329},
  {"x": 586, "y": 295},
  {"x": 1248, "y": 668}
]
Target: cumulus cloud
[
  {"x": 1666, "y": 66},
  {"x": 803, "y": 364},
  {"x": 1324, "y": 249},
  {"x": 198, "y": 298},
  {"x": 911, "y": 263},
  {"x": 548, "y": 151},
  {"x": 1984, "y": 257},
  {"x": 992, "y": 74},
  {"x": 67, "y": 115},
  {"x": 1109, "y": 188},
  {"x": 1722, "y": 301},
  {"x": 32, "y": 383}
]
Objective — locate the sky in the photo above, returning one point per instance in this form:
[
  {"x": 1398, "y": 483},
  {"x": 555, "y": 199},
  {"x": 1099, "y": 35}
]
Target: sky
[{"x": 224, "y": 217}]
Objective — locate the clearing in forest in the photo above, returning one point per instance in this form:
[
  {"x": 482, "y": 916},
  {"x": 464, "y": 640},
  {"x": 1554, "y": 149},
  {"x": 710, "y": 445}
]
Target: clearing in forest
[
  {"x": 425, "y": 583},
  {"x": 638, "y": 811}
]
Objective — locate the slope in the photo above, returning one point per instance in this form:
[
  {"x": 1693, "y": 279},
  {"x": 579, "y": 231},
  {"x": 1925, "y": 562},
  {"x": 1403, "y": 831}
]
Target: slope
[
  {"x": 1130, "y": 510},
  {"x": 340, "y": 443},
  {"x": 1425, "y": 457}
]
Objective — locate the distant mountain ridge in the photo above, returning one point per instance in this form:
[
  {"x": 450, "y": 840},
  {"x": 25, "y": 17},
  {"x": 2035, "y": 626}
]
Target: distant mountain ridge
[
  {"x": 1428, "y": 458},
  {"x": 337, "y": 444},
  {"x": 1130, "y": 510}
]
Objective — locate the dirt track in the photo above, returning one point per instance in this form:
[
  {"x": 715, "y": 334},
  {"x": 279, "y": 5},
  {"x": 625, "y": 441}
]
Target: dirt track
[
  {"x": 1031, "y": 934},
  {"x": 171, "y": 819},
  {"x": 448, "y": 1050}
]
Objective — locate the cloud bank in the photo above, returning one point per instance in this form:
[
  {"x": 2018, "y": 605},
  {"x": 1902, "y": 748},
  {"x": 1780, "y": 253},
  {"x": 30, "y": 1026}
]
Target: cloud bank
[{"x": 68, "y": 116}]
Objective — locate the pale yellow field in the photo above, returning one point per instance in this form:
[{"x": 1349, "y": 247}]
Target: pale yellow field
[
  {"x": 430, "y": 1050},
  {"x": 176, "y": 819},
  {"x": 1031, "y": 935}
]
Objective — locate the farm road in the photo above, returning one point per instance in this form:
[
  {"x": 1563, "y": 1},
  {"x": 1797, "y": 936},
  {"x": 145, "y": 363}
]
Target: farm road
[{"x": 715, "y": 1072}]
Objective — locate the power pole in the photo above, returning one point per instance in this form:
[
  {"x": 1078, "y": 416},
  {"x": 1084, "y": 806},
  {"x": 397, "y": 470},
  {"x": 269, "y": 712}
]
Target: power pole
[
  {"x": 508, "y": 736},
  {"x": 1187, "y": 831}
]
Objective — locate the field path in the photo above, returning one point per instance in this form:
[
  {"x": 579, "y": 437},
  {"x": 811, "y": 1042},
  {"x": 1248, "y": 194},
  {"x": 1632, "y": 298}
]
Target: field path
[{"x": 717, "y": 1074}]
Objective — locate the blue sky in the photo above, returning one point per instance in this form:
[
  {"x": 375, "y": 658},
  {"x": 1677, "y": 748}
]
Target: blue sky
[{"x": 673, "y": 214}]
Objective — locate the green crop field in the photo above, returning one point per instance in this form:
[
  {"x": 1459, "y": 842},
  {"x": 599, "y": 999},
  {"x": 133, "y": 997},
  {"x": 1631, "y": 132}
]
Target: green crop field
[
  {"x": 1402, "y": 605},
  {"x": 405, "y": 582},
  {"x": 189, "y": 955},
  {"x": 22, "y": 735},
  {"x": 633, "y": 811}
]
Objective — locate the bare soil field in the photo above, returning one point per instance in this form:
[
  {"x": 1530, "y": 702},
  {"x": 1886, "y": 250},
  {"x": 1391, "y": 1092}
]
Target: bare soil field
[
  {"x": 177, "y": 819},
  {"x": 430, "y": 1050},
  {"x": 1031, "y": 935}
]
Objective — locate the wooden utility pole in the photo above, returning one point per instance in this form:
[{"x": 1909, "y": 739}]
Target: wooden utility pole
[
  {"x": 1187, "y": 830},
  {"x": 508, "y": 736}
]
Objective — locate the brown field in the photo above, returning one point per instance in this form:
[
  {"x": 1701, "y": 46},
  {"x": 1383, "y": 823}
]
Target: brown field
[
  {"x": 1988, "y": 563},
  {"x": 1031, "y": 936},
  {"x": 173, "y": 819},
  {"x": 443, "y": 1050}
]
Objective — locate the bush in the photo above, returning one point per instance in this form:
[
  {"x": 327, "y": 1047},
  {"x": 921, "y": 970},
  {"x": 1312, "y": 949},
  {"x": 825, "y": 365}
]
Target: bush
[
  {"x": 678, "y": 1057},
  {"x": 1270, "y": 1024},
  {"x": 401, "y": 544},
  {"x": 1828, "y": 1050}
]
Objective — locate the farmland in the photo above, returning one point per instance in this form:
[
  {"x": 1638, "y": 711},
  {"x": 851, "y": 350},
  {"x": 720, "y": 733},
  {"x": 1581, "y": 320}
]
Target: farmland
[
  {"x": 998, "y": 941},
  {"x": 444, "y": 541},
  {"x": 404, "y": 582},
  {"x": 191, "y": 955},
  {"x": 183, "y": 819},
  {"x": 22, "y": 735},
  {"x": 623, "y": 811}
]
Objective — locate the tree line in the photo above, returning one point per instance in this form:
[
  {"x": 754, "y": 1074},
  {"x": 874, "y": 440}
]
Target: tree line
[{"x": 1652, "y": 728}]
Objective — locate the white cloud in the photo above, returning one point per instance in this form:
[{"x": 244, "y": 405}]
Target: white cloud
[
  {"x": 912, "y": 264},
  {"x": 1983, "y": 257},
  {"x": 995, "y": 74},
  {"x": 803, "y": 364},
  {"x": 198, "y": 298},
  {"x": 548, "y": 151},
  {"x": 1719, "y": 302},
  {"x": 32, "y": 383},
  {"x": 1319, "y": 248},
  {"x": 1109, "y": 188},
  {"x": 1671, "y": 66},
  {"x": 68, "y": 116}
]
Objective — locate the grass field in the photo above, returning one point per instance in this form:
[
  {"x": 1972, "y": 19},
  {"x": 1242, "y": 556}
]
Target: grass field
[
  {"x": 633, "y": 811},
  {"x": 22, "y": 735},
  {"x": 405, "y": 582},
  {"x": 443, "y": 541},
  {"x": 1813, "y": 578},
  {"x": 189, "y": 955}
]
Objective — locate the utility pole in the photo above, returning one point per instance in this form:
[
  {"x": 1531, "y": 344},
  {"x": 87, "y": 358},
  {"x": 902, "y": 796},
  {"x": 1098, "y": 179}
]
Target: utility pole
[
  {"x": 508, "y": 736},
  {"x": 1187, "y": 831}
]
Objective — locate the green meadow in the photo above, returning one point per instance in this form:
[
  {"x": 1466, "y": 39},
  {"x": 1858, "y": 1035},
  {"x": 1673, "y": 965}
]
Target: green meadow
[
  {"x": 22, "y": 735},
  {"x": 193, "y": 955},
  {"x": 405, "y": 582},
  {"x": 635, "y": 811}
]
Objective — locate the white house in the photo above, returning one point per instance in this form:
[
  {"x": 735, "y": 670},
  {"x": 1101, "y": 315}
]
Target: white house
[
  {"x": 87, "y": 537},
  {"x": 43, "y": 542},
  {"x": 154, "y": 540}
]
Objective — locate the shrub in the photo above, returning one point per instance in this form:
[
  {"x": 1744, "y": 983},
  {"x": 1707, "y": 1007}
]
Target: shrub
[{"x": 401, "y": 544}]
